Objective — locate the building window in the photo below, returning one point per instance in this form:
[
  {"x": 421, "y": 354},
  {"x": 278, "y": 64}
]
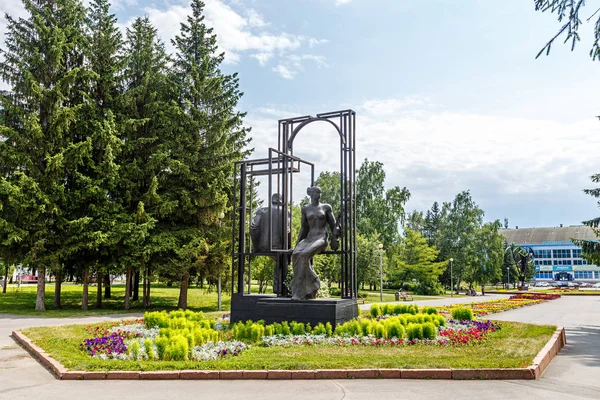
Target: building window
[
  {"x": 576, "y": 253},
  {"x": 562, "y": 253},
  {"x": 563, "y": 262},
  {"x": 542, "y": 254},
  {"x": 543, "y": 275}
]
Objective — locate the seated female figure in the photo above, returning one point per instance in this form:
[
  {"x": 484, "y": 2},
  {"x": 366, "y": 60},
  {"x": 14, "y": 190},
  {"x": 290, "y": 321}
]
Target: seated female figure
[{"x": 311, "y": 240}]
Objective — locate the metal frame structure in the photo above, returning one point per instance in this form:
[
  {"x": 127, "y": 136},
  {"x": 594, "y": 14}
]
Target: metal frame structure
[{"x": 280, "y": 167}]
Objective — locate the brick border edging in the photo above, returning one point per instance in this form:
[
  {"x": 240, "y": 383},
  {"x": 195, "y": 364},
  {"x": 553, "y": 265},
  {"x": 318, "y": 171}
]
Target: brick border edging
[{"x": 534, "y": 371}]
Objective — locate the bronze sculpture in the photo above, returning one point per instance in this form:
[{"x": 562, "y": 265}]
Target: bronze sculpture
[
  {"x": 312, "y": 240},
  {"x": 259, "y": 233}
]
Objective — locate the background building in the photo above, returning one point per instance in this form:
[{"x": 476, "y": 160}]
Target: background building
[{"x": 555, "y": 255}]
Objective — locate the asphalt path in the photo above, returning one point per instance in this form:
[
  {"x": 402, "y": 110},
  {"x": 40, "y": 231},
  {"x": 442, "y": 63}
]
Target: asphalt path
[{"x": 572, "y": 375}]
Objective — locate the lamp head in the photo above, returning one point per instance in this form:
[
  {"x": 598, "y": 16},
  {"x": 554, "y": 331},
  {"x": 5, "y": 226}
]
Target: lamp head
[
  {"x": 452, "y": 259},
  {"x": 380, "y": 246}
]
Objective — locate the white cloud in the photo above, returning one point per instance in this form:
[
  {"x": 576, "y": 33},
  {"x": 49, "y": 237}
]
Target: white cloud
[
  {"x": 263, "y": 58},
  {"x": 236, "y": 35},
  {"x": 312, "y": 42},
  {"x": 285, "y": 72},
  {"x": 293, "y": 64},
  {"x": 342, "y": 2},
  {"x": 436, "y": 153}
]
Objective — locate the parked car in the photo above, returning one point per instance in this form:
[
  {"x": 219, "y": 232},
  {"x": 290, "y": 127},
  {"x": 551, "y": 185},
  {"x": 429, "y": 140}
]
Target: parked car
[
  {"x": 596, "y": 285},
  {"x": 573, "y": 284},
  {"x": 542, "y": 284},
  {"x": 585, "y": 284}
]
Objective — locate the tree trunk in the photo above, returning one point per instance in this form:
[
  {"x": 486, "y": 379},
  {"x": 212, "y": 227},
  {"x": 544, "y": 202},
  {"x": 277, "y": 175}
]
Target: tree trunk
[
  {"x": 146, "y": 293},
  {"x": 127, "y": 287},
  {"x": 84, "y": 297},
  {"x": 5, "y": 278},
  {"x": 57, "y": 288},
  {"x": 136, "y": 286},
  {"x": 107, "y": 286},
  {"x": 41, "y": 290},
  {"x": 183, "y": 291},
  {"x": 99, "y": 289}
]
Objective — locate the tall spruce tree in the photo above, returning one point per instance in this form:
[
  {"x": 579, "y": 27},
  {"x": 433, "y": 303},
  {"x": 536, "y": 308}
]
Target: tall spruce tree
[
  {"x": 147, "y": 119},
  {"x": 98, "y": 178},
  {"x": 209, "y": 138},
  {"x": 41, "y": 62}
]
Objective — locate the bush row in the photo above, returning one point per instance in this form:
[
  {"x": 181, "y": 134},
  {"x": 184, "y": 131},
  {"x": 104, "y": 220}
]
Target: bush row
[{"x": 378, "y": 310}]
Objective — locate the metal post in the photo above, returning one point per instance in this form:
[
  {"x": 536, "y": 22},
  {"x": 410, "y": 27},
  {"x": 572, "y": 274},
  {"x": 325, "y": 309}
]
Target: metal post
[
  {"x": 380, "y": 246},
  {"x": 451, "y": 280},
  {"x": 219, "y": 293},
  {"x": 508, "y": 278}
]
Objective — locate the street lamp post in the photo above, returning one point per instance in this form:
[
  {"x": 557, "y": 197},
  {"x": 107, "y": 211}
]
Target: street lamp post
[
  {"x": 508, "y": 278},
  {"x": 380, "y": 246},
  {"x": 451, "y": 281},
  {"x": 221, "y": 216}
]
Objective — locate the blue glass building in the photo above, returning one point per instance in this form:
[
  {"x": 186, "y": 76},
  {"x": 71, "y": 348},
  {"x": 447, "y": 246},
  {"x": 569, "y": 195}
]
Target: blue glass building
[{"x": 555, "y": 255}]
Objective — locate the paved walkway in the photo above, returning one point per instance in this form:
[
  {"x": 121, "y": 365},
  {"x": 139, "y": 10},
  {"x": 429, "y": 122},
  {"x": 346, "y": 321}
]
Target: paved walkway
[{"x": 572, "y": 375}]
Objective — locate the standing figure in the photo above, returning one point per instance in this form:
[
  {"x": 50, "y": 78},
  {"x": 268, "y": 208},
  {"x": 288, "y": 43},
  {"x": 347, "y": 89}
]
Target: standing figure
[
  {"x": 259, "y": 233},
  {"x": 312, "y": 240}
]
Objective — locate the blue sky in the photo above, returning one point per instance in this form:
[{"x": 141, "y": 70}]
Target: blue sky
[{"x": 448, "y": 94}]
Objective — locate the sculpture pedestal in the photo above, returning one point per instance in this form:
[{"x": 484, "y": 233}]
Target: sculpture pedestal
[{"x": 278, "y": 309}]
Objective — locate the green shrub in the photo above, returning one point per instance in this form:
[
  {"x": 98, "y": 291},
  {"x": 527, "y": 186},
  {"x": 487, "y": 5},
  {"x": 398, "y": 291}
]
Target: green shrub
[
  {"x": 269, "y": 330},
  {"x": 297, "y": 328},
  {"x": 441, "y": 320},
  {"x": 366, "y": 327},
  {"x": 429, "y": 331},
  {"x": 285, "y": 328},
  {"x": 419, "y": 318},
  {"x": 257, "y": 331},
  {"x": 462, "y": 313},
  {"x": 178, "y": 350},
  {"x": 395, "y": 329},
  {"x": 414, "y": 331},
  {"x": 134, "y": 350},
  {"x": 375, "y": 311},
  {"x": 161, "y": 347},
  {"x": 149, "y": 349},
  {"x": 426, "y": 318},
  {"x": 379, "y": 330},
  {"x": 328, "y": 329},
  {"x": 429, "y": 310},
  {"x": 386, "y": 309}
]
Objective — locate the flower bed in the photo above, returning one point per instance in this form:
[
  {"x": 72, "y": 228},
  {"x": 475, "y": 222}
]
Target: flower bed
[
  {"x": 495, "y": 306},
  {"x": 188, "y": 336}
]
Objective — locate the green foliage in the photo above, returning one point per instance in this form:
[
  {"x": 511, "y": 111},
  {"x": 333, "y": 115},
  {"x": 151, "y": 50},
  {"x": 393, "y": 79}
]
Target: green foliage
[
  {"x": 415, "y": 260},
  {"x": 567, "y": 12},
  {"x": 429, "y": 310},
  {"x": 461, "y": 313},
  {"x": 134, "y": 350},
  {"x": 375, "y": 310},
  {"x": 429, "y": 331},
  {"x": 414, "y": 331},
  {"x": 149, "y": 349}
]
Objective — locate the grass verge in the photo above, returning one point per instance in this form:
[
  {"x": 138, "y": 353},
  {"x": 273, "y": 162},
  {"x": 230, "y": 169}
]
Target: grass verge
[{"x": 514, "y": 346}]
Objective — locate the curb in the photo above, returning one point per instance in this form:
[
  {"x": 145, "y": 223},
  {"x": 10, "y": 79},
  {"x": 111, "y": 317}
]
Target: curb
[{"x": 534, "y": 371}]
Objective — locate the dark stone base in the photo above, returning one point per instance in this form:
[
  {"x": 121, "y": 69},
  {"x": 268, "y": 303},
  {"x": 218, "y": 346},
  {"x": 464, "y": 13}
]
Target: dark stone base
[{"x": 278, "y": 309}]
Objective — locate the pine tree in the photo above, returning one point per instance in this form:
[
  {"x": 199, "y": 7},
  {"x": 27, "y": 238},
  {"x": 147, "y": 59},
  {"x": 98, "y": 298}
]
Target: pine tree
[
  {"x": 42, "y": 64},
  {"x": 210, "y": 137}
]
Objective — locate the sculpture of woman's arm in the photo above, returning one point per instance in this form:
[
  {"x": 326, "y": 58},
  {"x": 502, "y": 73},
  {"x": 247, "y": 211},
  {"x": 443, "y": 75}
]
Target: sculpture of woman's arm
[
  {"x": 335, "y": 230},
  {"x": 304, "y": 228}
]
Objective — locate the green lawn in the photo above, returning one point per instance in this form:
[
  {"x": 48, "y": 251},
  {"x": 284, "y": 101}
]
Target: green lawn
[
  {"x": 514, "y": 346},
  {"x": 22, "y": 301}
]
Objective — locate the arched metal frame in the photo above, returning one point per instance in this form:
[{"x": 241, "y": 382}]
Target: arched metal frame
[{"x": 282, "y": 164}]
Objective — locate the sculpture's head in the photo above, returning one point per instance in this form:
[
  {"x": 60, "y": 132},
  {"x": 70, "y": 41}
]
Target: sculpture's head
[
  {"x": 314, "y": 192},
  {"x": 275, "y": 199}
]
